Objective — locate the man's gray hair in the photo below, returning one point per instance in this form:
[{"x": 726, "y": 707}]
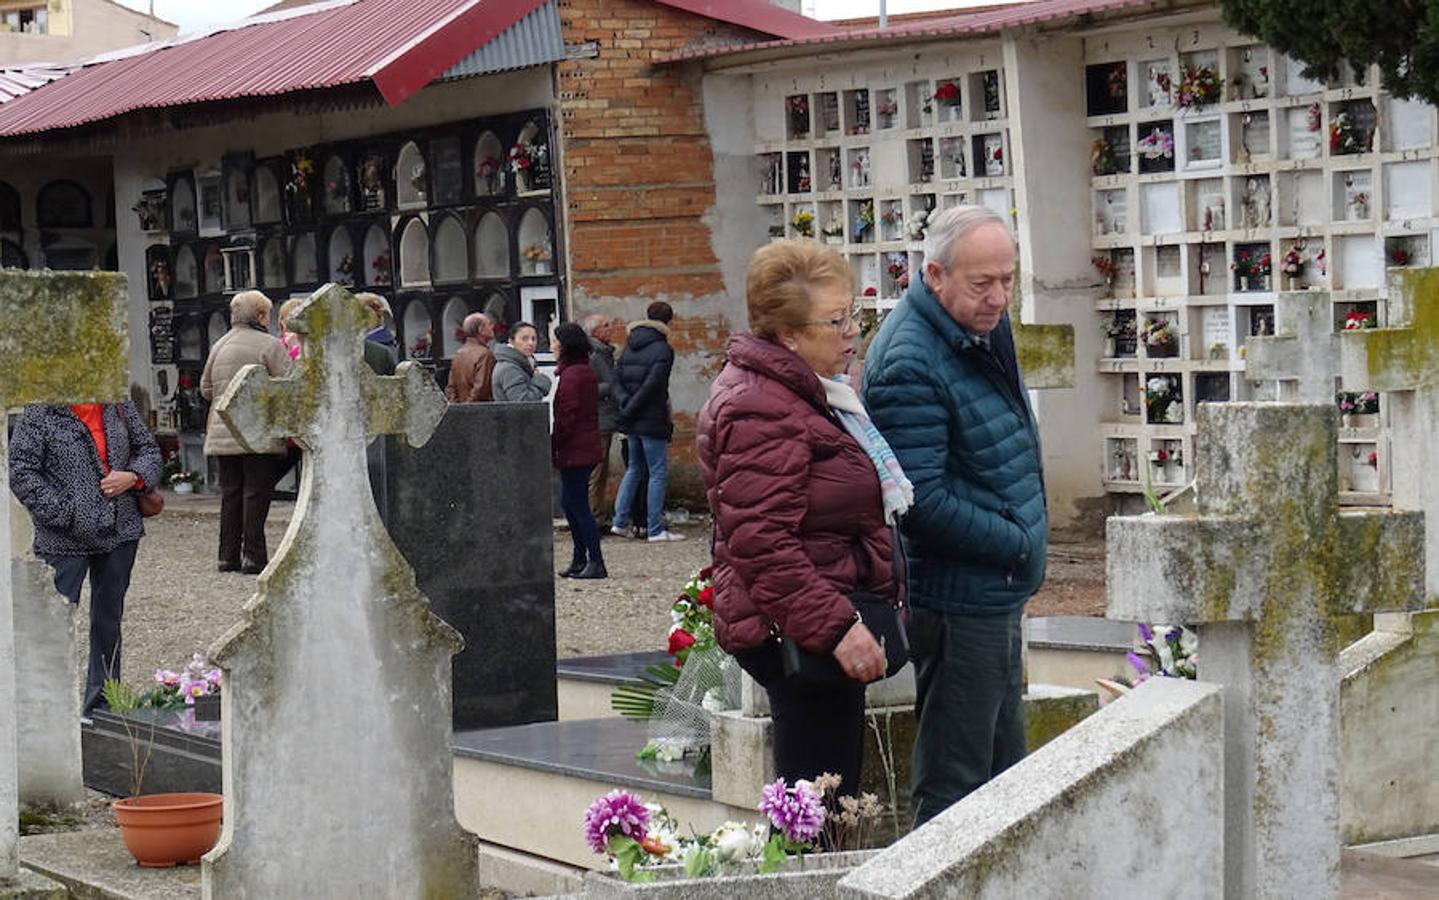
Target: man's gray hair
[
  {"x": 946, "y": 228},
  {"x": 592, "y": 321},
  {"x": 247, "y": 307},
  {"x": 474, "y": 323}
]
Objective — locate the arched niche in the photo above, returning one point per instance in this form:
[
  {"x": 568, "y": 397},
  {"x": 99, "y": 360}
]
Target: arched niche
[
  {"x": 187, "y": 274},
  {"x": 63, "y": 204},
  {"x": 451, "y": 318},
  {"x": 530, "y": 158},
  {"x": 69, "y": 254},
  {"x": 452, "y": 258},
  {"x": 182, "y": 206},
  {"x": 273, "y": 271},
  {"x": 497, "y": 307},
  {"x": 489, "y": 165},
  {"x": 9, "y": 208},
  {"x": 416, "y": 325},
  {"x": 237, "y": 200},
  {"x": 341, "y": 257},
  {"x": 214, "y": 270},
  {"x": 337, "y": 186},
  {"x": 190, "y": 338},
  {"x": 537, "y": 251},
  {"x": 304, "y": 266},
  {"x": 411, "y": 177},
  {"x": 159, "y": 280},
  {"x": 377, "y": 257},
  {"x": 216, "y": 326},
  {"x": 12, "y": 256},
  {"x": 492, "y": 247},
  {"x": 265, "y": 196},
  {"x": 414, "y": 255}
]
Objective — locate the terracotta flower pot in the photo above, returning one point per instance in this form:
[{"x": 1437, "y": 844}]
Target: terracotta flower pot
[{"x": 162, "y": 830}]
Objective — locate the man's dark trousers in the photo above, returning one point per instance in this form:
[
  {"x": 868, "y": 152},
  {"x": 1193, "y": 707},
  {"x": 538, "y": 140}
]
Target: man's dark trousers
[
  {"x": 969, "y": 681},
  {"x": 109, "y": 580}
]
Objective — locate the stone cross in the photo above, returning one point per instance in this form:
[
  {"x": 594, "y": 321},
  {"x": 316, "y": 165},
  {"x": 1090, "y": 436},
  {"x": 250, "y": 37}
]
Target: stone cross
[
  {"x": 64, "y": 340},
  {"x": 336, "y": 700},
  {"x": 1403, "y": 362},
  {"x": 1267, "y": 570},
  {"x": 1305, "y": 348}
]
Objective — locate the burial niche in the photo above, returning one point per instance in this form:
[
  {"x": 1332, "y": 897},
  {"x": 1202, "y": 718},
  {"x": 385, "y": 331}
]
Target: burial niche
[
  {"x": 452, "y": 263},
  {"x": 536, "y": 244},
  {"x": 377, "y": 257},
  {"x": 337, "y": 186},
  {"x": 489, "y": 166},
  {"x": 187, "y": 274},
  {"x": 63, "y": 204},
  {"x": 266, "y": 195},
  {"x": 451, "y": 318},
  {"x": 411, "y": 178},
  {"x": 417, "y": 329},
  {"x": 342, "y": 257},
  {"x": 414, "y": 255},
  {"x": 182, "y": 205},
  {"x": 304, "y": 265},
  {"x": 492, "y": 247},
  {"x": 273, "y": 271}
]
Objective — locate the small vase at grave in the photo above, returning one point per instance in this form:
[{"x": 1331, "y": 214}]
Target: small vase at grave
[{"x": 1244, "y": 282}]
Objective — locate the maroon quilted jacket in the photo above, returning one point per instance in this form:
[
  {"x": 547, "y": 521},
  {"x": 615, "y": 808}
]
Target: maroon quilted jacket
[
  {"x": 576, "y": 437},
  {"x": 798, "y": 517}
]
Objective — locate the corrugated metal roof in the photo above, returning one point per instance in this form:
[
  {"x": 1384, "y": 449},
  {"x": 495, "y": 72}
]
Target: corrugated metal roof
[
  {"x": 535, "y": 40},
  {"x": 20, "y": 81},
  {"x": 970, "y": 23},
  {"x": 757, "y": 15},
  {"x": 399, "y": 45}
]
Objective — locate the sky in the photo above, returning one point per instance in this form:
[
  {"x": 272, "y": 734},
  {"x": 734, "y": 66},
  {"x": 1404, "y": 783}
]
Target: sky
[{"x": 194, "y": 15}]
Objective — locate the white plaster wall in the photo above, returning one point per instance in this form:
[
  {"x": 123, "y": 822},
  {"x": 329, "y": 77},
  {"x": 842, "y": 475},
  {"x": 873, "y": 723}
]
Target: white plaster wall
[
  {"x": 1051, "y": 144},
  {"x": 140, "y": 160}
]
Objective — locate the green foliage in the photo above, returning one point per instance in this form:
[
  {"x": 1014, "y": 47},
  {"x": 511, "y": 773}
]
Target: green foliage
[
  {"x": 1401, "y": 37},
  {"x": 636, "y": 699},
  {"x": 121, "y": 697},
  {"x": 628, "y": 853}
]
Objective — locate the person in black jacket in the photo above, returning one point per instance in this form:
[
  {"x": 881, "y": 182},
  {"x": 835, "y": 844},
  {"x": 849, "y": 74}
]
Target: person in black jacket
[{"x": 642, "y": 385}]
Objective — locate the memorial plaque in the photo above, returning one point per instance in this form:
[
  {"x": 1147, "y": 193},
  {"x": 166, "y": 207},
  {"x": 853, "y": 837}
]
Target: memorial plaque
[
  {"x": 162, "y": 336},
  {"x": 448, "y": 171}
]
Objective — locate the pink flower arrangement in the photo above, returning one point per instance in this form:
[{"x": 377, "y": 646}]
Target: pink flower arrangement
[
  {"x": 797, "y": 812},
  {"x": 616, "y": 813}
]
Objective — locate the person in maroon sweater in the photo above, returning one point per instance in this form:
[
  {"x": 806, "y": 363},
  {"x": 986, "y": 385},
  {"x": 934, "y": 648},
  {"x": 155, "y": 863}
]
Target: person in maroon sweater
[
  {"x": 799, "y": 515},
  {"x": 575, "y": 446}
]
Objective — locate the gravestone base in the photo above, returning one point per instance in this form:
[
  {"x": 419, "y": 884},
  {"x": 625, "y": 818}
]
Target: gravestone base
[{"x": 95, "y": 864}]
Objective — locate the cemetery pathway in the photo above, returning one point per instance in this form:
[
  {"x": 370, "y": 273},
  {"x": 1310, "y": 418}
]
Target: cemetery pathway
[{"x": 179, "y": 604}]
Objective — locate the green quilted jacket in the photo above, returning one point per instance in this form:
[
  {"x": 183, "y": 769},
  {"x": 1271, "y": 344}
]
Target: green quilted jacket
[{"x": 959, "y": 420}]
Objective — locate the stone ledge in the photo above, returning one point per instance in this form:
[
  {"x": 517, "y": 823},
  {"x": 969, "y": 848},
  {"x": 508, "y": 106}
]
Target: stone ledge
[
  {"x": 94, "y": 865},
  {"x": 27, "y": 885}
]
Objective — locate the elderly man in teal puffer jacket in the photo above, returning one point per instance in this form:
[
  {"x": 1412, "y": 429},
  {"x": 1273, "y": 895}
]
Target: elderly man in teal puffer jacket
[{"x": 942, "y": 385}]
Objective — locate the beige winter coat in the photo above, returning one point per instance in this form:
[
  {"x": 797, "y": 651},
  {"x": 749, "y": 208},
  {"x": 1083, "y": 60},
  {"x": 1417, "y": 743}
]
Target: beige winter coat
[{"x": 241, "y": 346}]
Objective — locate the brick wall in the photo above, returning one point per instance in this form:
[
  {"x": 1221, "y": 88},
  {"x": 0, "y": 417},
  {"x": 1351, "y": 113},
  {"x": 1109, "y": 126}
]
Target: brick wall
[{"x": 639, "y": 179}]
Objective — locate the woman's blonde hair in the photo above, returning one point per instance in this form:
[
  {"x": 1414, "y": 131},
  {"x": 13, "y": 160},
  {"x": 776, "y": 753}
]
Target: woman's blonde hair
[
  {"x": 781, "y": 276},
  {"x": 287, "y": 309}
]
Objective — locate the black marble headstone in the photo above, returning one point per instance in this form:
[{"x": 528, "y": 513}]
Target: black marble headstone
[{"x": 470, "y": 511}]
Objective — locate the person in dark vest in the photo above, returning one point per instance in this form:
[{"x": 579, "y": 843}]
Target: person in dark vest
[
  {"x": 943, "y": 387},
  {"x": 643, "y": 376},
  {"x": 602, "y": 361},
  {"x": 575, "y": 446}
]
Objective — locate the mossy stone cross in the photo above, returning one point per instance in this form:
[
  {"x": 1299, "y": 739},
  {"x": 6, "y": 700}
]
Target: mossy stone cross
[
  {"x": 1305, "y": 350},
  {"x": 1267, "y": 570},
  {"x": 337, "y": 691},
  {"x": 63, "y": 341},
  {"x": 1403, "y": 362}
]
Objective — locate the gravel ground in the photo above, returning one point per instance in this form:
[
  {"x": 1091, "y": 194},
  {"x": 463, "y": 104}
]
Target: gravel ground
[{"x": 179, "y": 604}]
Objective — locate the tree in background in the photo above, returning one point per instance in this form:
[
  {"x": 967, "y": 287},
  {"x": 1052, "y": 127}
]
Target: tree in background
[{"x": 1400, "y": 36}]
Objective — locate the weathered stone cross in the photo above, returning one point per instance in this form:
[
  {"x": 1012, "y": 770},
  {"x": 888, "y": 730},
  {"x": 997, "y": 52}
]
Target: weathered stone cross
[
  {"x": 1403, "y": 362},
  {"x": 64, "y": 340},
  {"x": 336, "y": 701},
  {"x": 1305, "y": 349},
  {"x": 1267, "y": 570}
]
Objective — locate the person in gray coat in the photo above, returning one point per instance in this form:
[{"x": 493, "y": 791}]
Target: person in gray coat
[
  {"x": 516, "y": 380},
  {"x": 78, "y": 471},
  {"x": 602, "y": 360}
]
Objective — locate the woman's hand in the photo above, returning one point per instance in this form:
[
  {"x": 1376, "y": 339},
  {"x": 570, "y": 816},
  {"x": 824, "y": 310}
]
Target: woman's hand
[
  {"x": 859, "y": 654},
  {"x": 118, "y": 482}
]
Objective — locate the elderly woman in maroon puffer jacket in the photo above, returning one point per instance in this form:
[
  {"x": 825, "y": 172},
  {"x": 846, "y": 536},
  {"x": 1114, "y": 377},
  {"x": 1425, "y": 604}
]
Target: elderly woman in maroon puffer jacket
[
  {"x": 800, "y": 514},
  {"x": 575, "y": 446}
]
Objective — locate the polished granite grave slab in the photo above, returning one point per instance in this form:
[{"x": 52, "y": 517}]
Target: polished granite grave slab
[
  {"x": 598, "y": 749},
  {"x": 614, "y": 669},
  {"x": 185, "y": 754},
  {"x": 1080, "y": 633}
]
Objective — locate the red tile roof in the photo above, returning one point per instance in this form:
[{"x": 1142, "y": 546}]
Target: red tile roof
[
  {"x": 757, "y": 15},
  {"x": 398, "y": 45},
  {"x": 972, "y": 22}
]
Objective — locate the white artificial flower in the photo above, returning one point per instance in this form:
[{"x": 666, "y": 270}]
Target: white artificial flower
[
  {"x": 668, "y": 750},
  {"x": 731, "y": 842},
  {"x": 713, "y": 701}
]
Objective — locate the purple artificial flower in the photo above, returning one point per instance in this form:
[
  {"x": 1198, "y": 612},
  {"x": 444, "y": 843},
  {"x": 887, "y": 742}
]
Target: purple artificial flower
[
  {"x": 798, "y": 812},
  {"x": 618, "y": 812},
  {"x": 1138, "y": 663},
  {"x": 1171, "y": 635},
  {"x": 1146, "y": 632}
]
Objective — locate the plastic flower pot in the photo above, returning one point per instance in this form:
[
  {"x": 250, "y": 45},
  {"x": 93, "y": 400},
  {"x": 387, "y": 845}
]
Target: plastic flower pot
[
  {"x": 184, "y": 487},
  {"x": 163, "y": 830}
]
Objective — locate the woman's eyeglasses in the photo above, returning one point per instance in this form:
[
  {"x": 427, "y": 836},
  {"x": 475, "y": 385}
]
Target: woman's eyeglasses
[{"x": 850, "y": 319}]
